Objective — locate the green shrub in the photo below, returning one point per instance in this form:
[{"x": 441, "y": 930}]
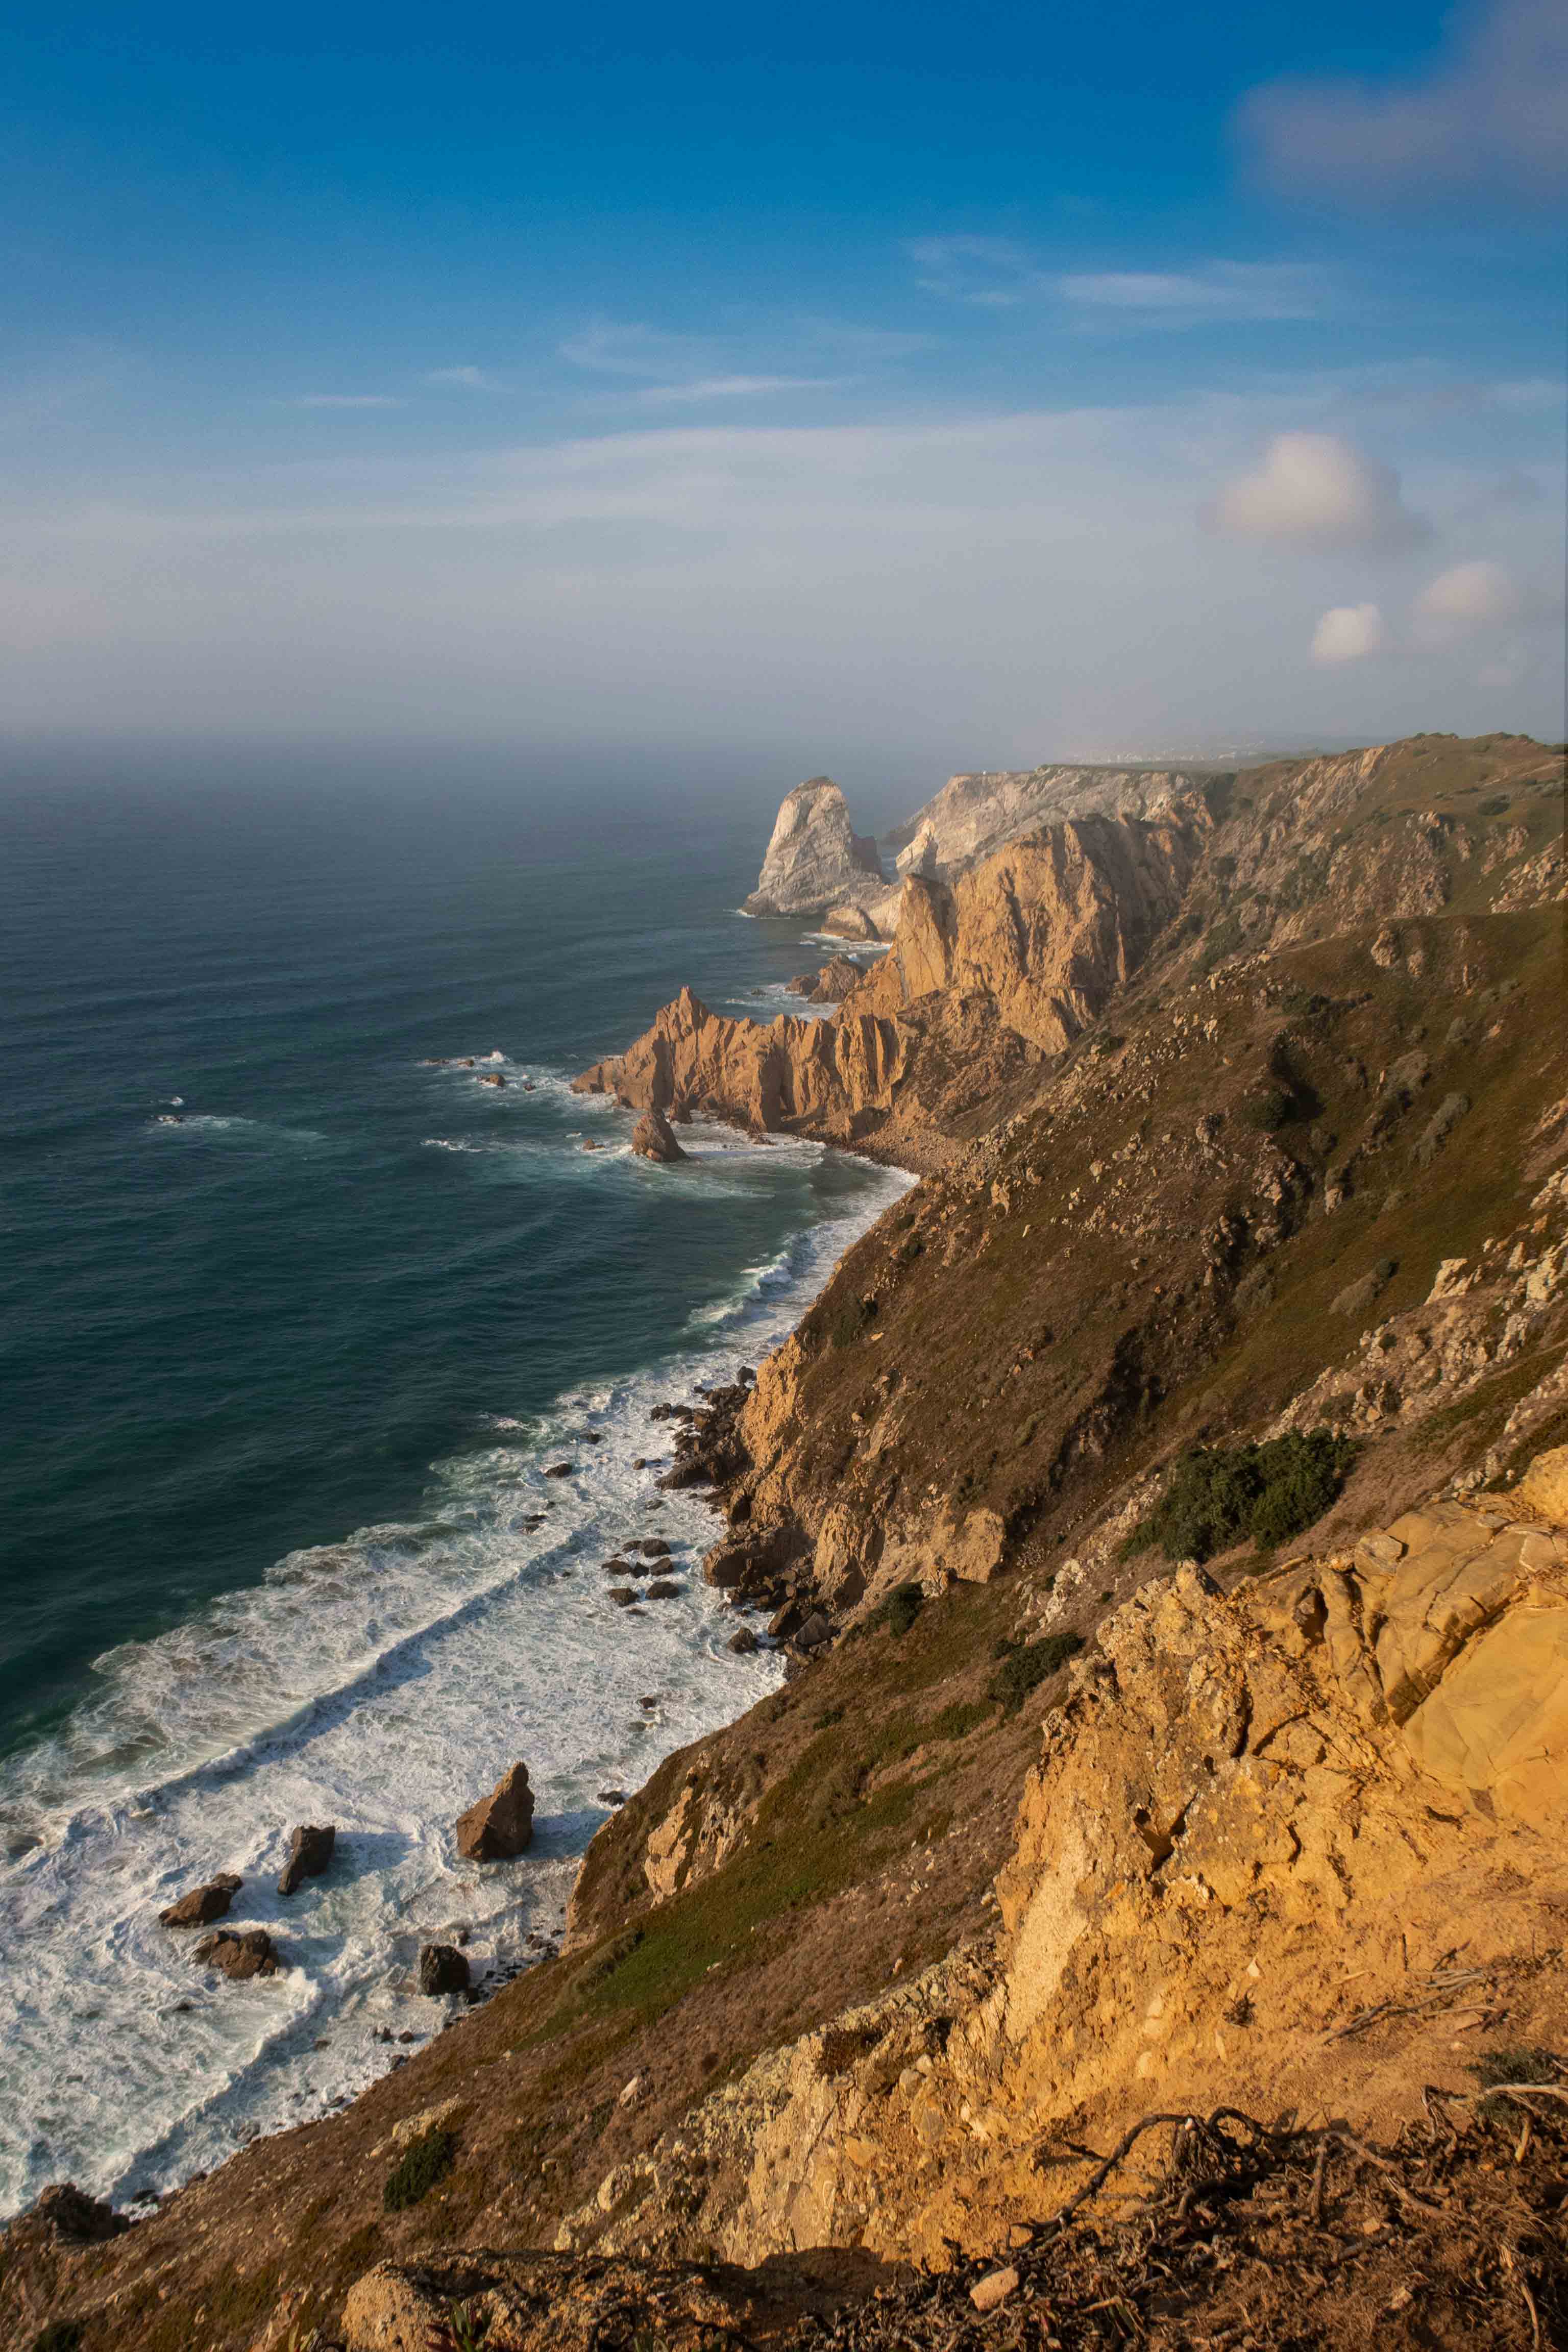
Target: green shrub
[
  {"x": 1497, "y": 804},
  {"x": 1268, "y": 1108},
  {"x": 424, "y": 2162},
  {"x": 1218, "y": 1495},
  {"x": 1026, "y": 1667},
  {"x": 900, "y": 1608}
]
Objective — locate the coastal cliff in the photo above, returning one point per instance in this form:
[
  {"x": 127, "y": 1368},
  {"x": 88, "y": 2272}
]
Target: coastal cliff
[{"x": 1163, "y": 1515}]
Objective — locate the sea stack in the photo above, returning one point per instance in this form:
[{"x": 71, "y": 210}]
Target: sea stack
[{"x": 815, "y": 858}]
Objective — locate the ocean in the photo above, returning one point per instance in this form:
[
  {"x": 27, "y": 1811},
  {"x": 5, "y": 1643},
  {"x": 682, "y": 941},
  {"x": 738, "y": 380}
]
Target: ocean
[{"x": 295, "y": 1313}]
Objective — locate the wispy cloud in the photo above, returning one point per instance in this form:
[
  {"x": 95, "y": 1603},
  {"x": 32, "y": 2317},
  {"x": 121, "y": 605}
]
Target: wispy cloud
[
  {"x": 346, "y": 400},
  {"x": 630, "y": 347},
  {"x": 739, "y": 387},
  {"x": 989, "y": 271},
  {"x": 464, "y": 379},
  {"x": 992, "y": 273},
  {"x": 1190, "y": 298},
  {"x": 1493, "y": 111}
]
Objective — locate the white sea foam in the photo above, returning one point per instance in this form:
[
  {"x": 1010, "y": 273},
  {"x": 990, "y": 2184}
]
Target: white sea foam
[{"x": 380, "y": 1682}]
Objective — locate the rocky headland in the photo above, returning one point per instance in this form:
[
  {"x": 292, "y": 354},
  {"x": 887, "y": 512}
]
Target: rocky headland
[{"x": 1139, "y": 1917}]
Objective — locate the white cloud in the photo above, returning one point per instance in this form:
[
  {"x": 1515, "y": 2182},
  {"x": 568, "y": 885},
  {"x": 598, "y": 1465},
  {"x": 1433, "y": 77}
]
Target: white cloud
[
  {"x": 1347, "y": 633},
  {"x": 1492, "y": 112},
  {"x": 346, "y": 400},
  {"x": 1215, "y": 291},
  {"x": 1464, "y": 600},
  {"x": 1319, "y": 489},
  {"x": 464, "y": 379}
]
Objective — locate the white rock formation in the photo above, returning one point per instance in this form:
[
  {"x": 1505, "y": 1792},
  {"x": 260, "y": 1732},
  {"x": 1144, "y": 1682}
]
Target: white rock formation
[
  {"x": 816, "y": 859},
  {"x": 974, "y": 814}
]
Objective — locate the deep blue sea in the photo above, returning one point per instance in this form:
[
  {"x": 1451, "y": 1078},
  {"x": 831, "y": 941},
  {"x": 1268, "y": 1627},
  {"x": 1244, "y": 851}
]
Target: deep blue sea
[{"x": 294, "y": 1312}]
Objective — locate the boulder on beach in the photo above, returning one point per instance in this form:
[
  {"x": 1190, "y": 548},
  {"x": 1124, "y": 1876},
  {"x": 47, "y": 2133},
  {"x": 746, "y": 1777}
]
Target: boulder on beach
[
  {"x": 492, "y": 1078},
  {"x": 622, "y": 1595},
  {"x": 561, "y": 1470},
  {"x": 500, "y": 1824},
  {"x": 240, "y": 1952},
  {"x": 664, "y": 1588},
  {"x": 202, "y": 1905},
  {"x": 743, "y": 1643},
  {"x": 442, "y": 1970},
  {"x": 651, "y": 1546},
  {"x": 652, "y": 1139},
  {"x": 310, "y": 1853}
]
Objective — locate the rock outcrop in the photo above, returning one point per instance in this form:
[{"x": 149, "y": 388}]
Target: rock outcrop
[
  {"x": 652, "y": 1139},
  {"x": 240, "y": 1953},
  {"x": 202, "y": 1905},
  {"x": 974, "y": 815},
  {"x": 443, "y": 1969},
  {"x": 501, "y": 1824},
  {"x": 815, "y": 858},
  {"x": 310, "y": 1850},
  {"x": 981, "y": 981},
  {"x": 1240, "y": 1836}
]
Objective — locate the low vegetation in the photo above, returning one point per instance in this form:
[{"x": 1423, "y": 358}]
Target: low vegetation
[
  {"x": 424, "y": 2162},
  {"x": 1219, "y": 1495}
]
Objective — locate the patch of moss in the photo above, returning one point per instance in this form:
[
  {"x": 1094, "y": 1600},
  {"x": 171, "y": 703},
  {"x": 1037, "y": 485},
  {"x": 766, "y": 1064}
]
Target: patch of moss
[{"x": 424, "y": 2162}]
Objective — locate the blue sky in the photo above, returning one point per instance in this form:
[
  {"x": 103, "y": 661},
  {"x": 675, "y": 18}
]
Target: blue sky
[{"x": 913, "y": 385}]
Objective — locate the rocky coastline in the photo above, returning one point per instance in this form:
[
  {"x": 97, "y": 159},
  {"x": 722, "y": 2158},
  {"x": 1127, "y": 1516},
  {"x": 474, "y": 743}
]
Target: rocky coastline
[{"x": 1164, "y": 1511}]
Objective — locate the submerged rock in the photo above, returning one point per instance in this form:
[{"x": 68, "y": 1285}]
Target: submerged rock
[
  {"x": 500, "y": 1824},
  {"x": 202, "y": 1905},
  {"x": 310, "y": 1853}
]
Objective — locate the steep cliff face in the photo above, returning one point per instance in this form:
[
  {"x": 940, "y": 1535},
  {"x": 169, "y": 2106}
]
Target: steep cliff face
[
  {"x": 974, "y": 816},
  {"x": 1047, "y": 929},
  {"x": 981, "y": 982},
  {"x": 815, "y": 858}
]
